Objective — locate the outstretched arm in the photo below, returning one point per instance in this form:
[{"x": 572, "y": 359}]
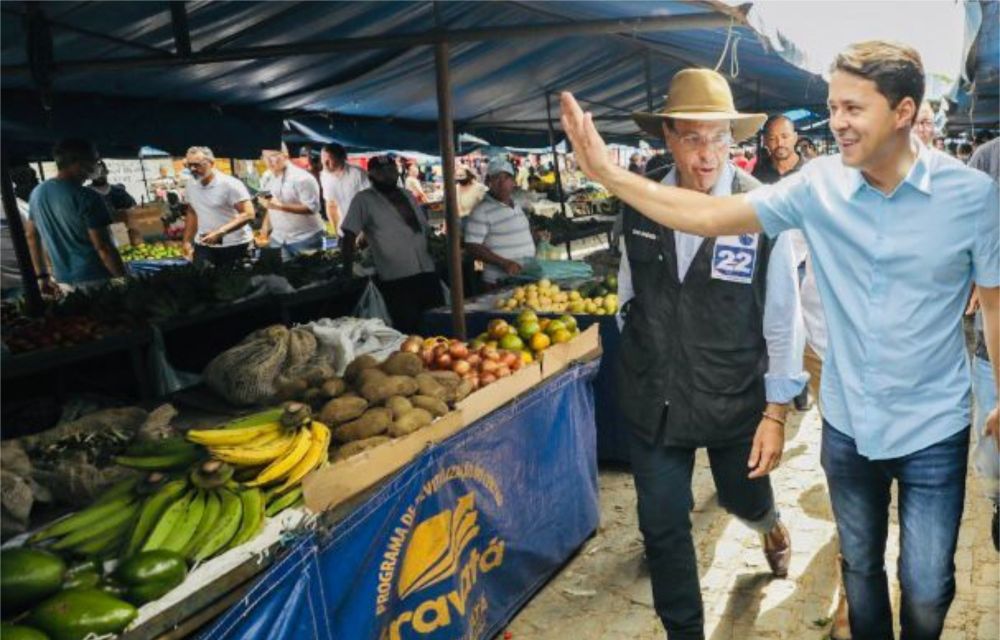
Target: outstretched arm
[{"x": 680, "y": 209}]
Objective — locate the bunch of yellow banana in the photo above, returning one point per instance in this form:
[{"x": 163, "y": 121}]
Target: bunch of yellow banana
[{"x": 285, "y": 454}]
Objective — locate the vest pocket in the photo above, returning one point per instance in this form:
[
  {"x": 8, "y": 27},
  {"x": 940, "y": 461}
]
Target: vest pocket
[{"x": 723, "y": 371}]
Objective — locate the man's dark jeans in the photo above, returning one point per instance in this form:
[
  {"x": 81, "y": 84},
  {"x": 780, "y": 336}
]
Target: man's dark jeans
[
  {"x": 663, "y": 486},
  {"x": 931, "y": 485}
]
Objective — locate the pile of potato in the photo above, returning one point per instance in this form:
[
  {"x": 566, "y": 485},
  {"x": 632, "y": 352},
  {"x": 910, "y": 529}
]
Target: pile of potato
[{"x": 375, "y": 402}]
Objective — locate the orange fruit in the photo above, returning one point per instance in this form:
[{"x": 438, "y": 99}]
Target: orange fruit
[{"x": 540, "y": 342}]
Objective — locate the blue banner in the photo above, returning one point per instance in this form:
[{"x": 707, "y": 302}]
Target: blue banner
[{"x": 455, "y": 544}]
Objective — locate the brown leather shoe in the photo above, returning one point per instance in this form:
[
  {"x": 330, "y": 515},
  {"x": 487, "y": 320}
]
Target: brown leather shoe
[{"x": 778, "y": 550}]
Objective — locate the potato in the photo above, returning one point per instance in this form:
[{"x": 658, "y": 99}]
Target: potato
[
  {"x": 316, "y": 374},
  {"x": 445, "y": 376},
  {"x": 358, "y": 365},
  {"x": 369, "y": 375},
  {"x": 314, "y": 397},
  {"x": 333, "y": 387},
  {"x": 342, "y": 409},
  {"x": 403, "y": 364},
  {"x": 356, "y": 447},
  {"x": 289, "y": 388},
  {"x": 463, "y": 389},
  {"x": 371, "y": 423},
  {"x": 410, "y": 422},
  {"x": 398, "y": 405},
  {"x": 434, "y": 405},
  {"x": 428, "y": 385},
  {"x": 378, "y": 390}
]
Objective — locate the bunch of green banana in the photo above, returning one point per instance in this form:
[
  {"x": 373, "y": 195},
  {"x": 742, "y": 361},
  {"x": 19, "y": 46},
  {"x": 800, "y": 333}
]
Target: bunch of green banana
[
  {"x": 287, "y": 448},
  {"x": 98, "y": 530},
  {"x": 161, "y": 455},
  {"x": 198, "y": 517}
]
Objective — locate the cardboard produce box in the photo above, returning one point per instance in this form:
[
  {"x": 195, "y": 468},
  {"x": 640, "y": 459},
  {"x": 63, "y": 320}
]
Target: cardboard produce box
[{"x": 328, "y": 487}]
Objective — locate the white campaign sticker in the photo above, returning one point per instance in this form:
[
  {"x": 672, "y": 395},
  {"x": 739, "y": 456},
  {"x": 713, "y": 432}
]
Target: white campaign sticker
[{"x": 734, "y": 258}]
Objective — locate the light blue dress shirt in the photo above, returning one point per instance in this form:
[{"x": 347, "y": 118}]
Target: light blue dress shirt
[
  {"x": 784, "y": 332},
  {"x": 894, "y": 273}
]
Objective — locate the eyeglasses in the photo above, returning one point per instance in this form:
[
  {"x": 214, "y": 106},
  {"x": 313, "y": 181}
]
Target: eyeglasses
[
  {"x": 925, "y": 124},
  {"x": 692, "y": 141},
  {"x": 195, "y": 165}
]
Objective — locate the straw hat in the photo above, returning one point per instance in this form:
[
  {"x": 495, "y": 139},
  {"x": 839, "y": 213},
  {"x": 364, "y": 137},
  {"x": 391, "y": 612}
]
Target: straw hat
[{"x": 700, "y": 94}]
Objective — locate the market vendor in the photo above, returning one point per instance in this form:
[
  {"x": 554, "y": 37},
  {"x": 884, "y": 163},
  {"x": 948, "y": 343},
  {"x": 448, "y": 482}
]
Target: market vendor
[
  {"x": 341, "y": 181},
  {"x": 395, "y": 228},
  {"x": 497, "y": 231},
  {"x": 469, "y": 191},
  {"x": 72, "y": 222},
  {"x": 115, "y": 195},
  {"x": 711, "y": 352},
  {"x": 218, "y": 212},
  {"x": 291, "y": 196}
]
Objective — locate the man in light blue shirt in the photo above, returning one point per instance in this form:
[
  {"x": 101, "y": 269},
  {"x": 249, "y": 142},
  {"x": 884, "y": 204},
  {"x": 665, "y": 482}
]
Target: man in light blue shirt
[{"x": 898, "y": 234}]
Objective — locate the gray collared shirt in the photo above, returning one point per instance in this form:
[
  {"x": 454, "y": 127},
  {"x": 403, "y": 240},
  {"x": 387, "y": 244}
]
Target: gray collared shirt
[{"x": 398, "y": 250}]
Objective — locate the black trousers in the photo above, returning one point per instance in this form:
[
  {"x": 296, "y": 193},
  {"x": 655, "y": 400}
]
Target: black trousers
[
  {"x": 408, "y": 298},
  {"x": 663, "y": 487},
  {"x": 220, "y": 256}
]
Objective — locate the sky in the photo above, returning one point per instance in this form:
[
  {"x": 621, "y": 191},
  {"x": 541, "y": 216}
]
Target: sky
[{"x": 823, "y": 27}]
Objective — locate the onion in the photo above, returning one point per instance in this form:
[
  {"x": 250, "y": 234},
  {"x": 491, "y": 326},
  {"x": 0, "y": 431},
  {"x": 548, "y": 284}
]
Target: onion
[
  {"x": 427, "y": 355},
  {"x": 458, "y": 350},
  {"x": 443, "y": 361},
  {"x": 412, "y": 345},
  {"x": 509, "y": 358},
  {"x": 489, "y": 353},
  {"x": 503, "y": 371},
  {"x": 489, "y": 366},
  {"x": 487, "y": 378},
  {"x": 461, "y": 367},
  {"x": 473, "y": 359},
  {"x": 517, "y": 364}
]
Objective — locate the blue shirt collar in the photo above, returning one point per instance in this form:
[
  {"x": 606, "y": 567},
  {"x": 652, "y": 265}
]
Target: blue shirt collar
[{"x": 918, "y": 177}]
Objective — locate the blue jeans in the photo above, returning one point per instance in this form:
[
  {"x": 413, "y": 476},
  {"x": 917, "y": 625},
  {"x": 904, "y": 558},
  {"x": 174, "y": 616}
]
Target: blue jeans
[
  {"x": 931, "y": 497},
  {"x": 291, "y": 249}
]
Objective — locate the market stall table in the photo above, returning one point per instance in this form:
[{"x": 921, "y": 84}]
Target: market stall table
[
  {"x": 513, "y": 496},
  {"x": 612, "y": 440}
]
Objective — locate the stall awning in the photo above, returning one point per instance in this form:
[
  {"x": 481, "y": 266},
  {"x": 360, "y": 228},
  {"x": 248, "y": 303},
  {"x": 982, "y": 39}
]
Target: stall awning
[{"x": 269, "y": 57}]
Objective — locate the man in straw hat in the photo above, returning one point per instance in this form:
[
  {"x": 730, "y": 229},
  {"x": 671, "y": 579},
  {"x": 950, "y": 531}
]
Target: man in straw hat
[
  {"x": 711, "y": 352},
  {"x": 898, "y": 235}
]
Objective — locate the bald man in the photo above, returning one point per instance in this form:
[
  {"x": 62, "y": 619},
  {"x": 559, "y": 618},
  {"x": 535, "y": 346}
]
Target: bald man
[{"x": 779, "y": 140}]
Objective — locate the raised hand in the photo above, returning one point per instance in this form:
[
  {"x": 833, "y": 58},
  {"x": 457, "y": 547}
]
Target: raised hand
[{"x": 588, "y": 147}]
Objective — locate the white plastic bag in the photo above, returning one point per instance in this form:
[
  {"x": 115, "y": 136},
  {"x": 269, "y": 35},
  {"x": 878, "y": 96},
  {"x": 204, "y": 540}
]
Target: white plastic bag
[
  {"x": 372, "y": 305},
  {"x": 341, "y": 340}
]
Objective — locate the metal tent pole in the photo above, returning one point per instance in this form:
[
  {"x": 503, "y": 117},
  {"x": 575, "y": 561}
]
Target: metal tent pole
[
  {"x": 446, "y": 134},
  {"x": 555, "y": 154},
  {"x": 32, "y": 294}
]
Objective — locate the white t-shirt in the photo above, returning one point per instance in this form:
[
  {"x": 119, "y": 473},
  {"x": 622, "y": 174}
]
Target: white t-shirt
[
  {"x": 341, "y": 187},
  {"x": 215, "y": 204},
  {"x": 294, "y": 186}
]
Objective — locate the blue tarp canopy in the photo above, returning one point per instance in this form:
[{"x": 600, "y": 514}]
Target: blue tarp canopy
[{"x": 260, "y": 62}]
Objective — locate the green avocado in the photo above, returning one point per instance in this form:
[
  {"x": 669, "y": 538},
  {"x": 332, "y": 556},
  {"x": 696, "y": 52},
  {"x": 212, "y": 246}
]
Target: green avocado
[
  {"x": 151, "y": 574},
  {"x": 28, "y": 576},
  {"x": 20, "y": 632},
  {"x": 73, "y": 614}
]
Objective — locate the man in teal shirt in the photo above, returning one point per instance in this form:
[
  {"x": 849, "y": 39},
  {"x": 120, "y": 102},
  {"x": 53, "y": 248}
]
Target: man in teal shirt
[
  {"x": 898, "y": 234},
  {"x": 72, "y": 221}
]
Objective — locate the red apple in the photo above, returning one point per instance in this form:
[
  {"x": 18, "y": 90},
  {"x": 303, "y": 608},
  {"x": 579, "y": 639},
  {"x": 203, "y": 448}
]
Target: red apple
[
  {"x": 509, "y": 358},
  {"x": 487, "y": 378}
]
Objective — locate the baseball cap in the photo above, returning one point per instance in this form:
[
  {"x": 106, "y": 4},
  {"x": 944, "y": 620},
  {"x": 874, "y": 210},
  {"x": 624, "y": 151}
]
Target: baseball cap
[{"x": 499, "y": 164}]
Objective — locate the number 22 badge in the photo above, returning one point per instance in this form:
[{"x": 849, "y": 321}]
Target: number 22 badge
[{"x": 734, "y": 258}]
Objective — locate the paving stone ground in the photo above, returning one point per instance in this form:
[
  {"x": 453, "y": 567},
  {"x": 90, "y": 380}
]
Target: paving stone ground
[{"x": 603, "y": 593}]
